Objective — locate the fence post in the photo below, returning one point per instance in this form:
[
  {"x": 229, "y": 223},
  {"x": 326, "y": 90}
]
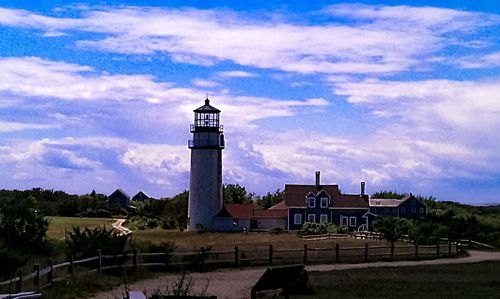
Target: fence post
[
  {"x": 305, "y": 253},
  {"x": 337, "y": 252},
  {"x": 50, "y": 273},
  {"x": 366, "y": 252},
  {"x": 99, "y": 261},
  {"x": 71, "y": 268},
  {"x": 449, "y": 247},
  {"x": 134, "y": 259},
  {"x": 167, "y": 258},
  {"x": 19, "y": 283},
  {"x": 36, "y": 279},
  {"x": 392, "y": 250},
  {"x": 270, "y": 254},
  {"x": 416, "y": 250},
  {"x": 236, "y": 256},
  {"x": 202, "y": 258},
  {"x": 437, "y": 249}
]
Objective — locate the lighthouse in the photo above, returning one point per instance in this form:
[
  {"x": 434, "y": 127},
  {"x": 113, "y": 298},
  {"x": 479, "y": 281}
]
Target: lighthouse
[{"x": 205, "y": 185}]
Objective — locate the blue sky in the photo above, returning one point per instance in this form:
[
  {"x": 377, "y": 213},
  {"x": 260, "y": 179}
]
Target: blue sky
[{"x": 403, "y": 95}]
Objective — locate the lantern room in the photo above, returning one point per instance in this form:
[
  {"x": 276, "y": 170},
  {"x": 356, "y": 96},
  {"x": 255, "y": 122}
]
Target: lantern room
[{"x": 206, "y": 118}]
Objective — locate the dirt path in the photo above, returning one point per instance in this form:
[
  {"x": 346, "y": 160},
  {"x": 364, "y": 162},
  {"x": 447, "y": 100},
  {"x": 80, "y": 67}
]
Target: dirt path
[
  {"x": 118, "y": 225},
  {"x": 237, "y": 283}
]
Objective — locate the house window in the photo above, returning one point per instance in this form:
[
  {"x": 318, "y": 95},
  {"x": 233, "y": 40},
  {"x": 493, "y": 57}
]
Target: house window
[
  {"x": 311, "y": 202},
  {"x": 344, "y": 220},
  {"x": 402, "y": 210},
  {"x": 421, "y": 210},
  {"x": 323, "y": 218},
  {"x": 297, "y": 219},
  {"x": 413, "y": 210},
  {"x": 394, "y": 210},
  {"x": 387, "y": 210},
  {"x": 311, "y": 218},
  {"x": 352, "y": 221},
  {"x": 324, "y": 202}
]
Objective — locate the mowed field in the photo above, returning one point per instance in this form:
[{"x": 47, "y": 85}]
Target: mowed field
[
  {"x": 189, "y": 241},
  {"x": 58, "y": 225},
  {"x": 481, "y": 280}
]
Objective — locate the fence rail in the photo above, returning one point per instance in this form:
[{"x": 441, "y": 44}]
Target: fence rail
[{"x": 200, "y": 260}]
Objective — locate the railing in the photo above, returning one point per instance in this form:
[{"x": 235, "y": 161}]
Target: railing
[
  {"x": 204, "y": 258},
  {"x": 220, "y": 128}
]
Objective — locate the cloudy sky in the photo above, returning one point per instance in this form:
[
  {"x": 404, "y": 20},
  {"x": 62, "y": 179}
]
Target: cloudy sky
[{"x": 405, "y": 96}]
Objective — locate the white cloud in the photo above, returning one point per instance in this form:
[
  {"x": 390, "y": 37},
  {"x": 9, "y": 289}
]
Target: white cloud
[
  {"x": 486, "y": 61},
  {"x": 204, "y": 83},
  {"x": 236, "y": 74},
  {"x": 17, "y": 126},
  {"x": 377, "y": 44}
]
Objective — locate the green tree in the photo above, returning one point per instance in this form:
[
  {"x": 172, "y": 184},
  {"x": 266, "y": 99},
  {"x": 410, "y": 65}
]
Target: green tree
[
  {"x": 392, "y": 228},
  {"x": 270, "y": 199},
  {"x": 237, "y": 194},
  {"x": 22, "y": 232}
]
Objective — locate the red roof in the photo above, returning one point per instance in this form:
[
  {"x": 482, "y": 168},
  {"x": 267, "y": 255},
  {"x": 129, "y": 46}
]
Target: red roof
[{"x": 247, "y": 211}]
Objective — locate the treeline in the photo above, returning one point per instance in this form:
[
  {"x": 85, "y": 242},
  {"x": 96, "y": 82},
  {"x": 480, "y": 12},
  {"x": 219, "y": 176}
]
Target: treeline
[{"x": 444, "y": 219}]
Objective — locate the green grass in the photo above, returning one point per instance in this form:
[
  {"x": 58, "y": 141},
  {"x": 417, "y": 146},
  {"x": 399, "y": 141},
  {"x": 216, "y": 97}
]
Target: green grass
[
  {"x": 58, "y": 225},
  {"x": 481, "y": 280},
  {"x": 188, "y": 241}
]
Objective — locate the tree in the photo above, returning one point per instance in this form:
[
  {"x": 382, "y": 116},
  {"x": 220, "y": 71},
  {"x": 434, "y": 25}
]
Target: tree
[
  {"x": 22, "y": 231},
  {"x": 387, "y": 194},
  {"x": 392, "y": 228},
  {"x": 270, "y": 199},
  {"x": 237, "y": 194}
]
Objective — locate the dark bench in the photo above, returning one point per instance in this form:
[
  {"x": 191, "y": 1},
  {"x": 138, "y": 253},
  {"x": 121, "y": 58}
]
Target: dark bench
[{"x": 291, "y": 279}]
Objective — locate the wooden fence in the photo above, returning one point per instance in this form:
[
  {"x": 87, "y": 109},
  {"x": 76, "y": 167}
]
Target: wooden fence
[{"x": 205, "y": 259}]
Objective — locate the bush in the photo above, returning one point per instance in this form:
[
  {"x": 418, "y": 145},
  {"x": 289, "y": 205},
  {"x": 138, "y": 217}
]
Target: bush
[
  {"x": 84, "y": 243},
  {"x": 313, "y": 228}
]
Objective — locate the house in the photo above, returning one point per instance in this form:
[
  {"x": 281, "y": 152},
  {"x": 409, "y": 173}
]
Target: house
[
  {"x": 325, "y": 204},
  {"x": 141, "y": 197},
  {"x": 240, "y": 217},
  {"x": 408, "y": 207},
  {"x": 118, "y": 199}
]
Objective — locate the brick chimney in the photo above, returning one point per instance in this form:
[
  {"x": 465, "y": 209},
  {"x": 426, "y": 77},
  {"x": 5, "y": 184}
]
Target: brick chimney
[{"x": 317, "y": 179}]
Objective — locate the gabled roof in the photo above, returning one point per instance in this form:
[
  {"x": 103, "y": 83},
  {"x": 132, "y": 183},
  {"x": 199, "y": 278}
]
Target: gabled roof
[
  {"x": 279, "y": 206},
  {"x": 141, "y": 195},
  {"x": 389, "y": 202},
  {"x": 207, "y": 108},
  {"x": 295, "y": 196},
  {"x": 119, "y": 192}
]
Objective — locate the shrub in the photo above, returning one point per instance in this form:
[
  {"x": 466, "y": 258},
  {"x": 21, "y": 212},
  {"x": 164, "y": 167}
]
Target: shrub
[
  {"x": 83, "y": 243},
  {"x": 313, "y": 228}
]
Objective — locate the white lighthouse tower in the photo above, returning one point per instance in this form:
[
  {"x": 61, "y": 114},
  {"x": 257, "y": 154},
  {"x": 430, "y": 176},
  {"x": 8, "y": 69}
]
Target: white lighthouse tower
[{"x": 205, "y": 189}]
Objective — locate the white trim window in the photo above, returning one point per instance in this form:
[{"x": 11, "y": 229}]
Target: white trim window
[
  {"x": 344, "y": 220},
  {"x": 311, "y": 218},
  {"x": 413, "y": 210},
  {"x": 297, "y": 219},
  {"x": 324, "y": 202},
  {"x": 421, "y": 210},
  {"x": 402, "y": 210},
  {"x": 323, "y": 218},
  {"x": 352, "y": 221},
  {"x": 311, "y": 202}
]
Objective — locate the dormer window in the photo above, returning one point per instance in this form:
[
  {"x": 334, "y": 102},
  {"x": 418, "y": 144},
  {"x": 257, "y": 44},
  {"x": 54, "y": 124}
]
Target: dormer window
[
  {"x": 311, "y": 202},
  {"x": 324, "y": 202}
]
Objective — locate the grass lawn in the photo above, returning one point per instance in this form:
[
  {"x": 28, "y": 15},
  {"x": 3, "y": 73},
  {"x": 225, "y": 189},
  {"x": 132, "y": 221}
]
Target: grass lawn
[
  {"x": 188, "y": 241},
  {"x": 57, "y": 225},
  {"x": 481, "y": 280}
]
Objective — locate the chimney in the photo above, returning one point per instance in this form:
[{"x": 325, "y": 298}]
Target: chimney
[
  {"x": 362, "y": 188},
  {"x": 317, "y": 179}
]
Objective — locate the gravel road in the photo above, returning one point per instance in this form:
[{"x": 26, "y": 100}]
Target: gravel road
[{"x": 237, "y": 283}]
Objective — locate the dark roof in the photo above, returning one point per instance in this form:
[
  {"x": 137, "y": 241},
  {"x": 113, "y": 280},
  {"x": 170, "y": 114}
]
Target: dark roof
[
  {"x": 140, "y": 195},
  {"x": 295, "y": 196},
  {"x": 389, "y": 202},
  {"x": 119, "y": 192},
  {"x": 207, "y": 108}
]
